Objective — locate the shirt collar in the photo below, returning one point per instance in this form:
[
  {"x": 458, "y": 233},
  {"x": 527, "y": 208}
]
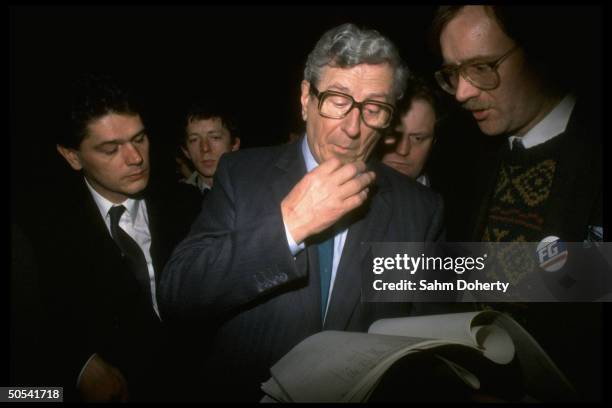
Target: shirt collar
[
  {"x": 198, "y": 181},
  {"x": 105, "y": 205},
  {"x": 311, "y": 162},
  {"x": 192, "y": 179},
  {"x": 552, "y": 125},
  {"x": 423, "y": 180}
]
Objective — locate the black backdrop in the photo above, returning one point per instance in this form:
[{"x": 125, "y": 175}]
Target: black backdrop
[{"x": 250, "y": 56}]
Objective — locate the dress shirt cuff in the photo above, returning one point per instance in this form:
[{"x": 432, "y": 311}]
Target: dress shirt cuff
[
  {"x": 83, "y": 369},
  {"x": 293, "y": 246}
]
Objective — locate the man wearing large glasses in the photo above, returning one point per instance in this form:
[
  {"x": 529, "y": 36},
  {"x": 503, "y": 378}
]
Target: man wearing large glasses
[
  {"x": 277, "y": 253},
  {"x": 547, "y": 178},
  {"x": 503, "y": 81}
]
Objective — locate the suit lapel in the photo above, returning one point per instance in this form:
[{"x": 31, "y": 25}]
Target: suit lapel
[
  {"x": 290, "y": 169},
  {"x": 368, "y": 225},
  {"x": 94, "y": 222},
  {"x": 101, "y": 256}
]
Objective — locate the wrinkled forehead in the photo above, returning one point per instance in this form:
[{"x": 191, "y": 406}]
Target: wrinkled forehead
[{"x": 363, "y": 81}]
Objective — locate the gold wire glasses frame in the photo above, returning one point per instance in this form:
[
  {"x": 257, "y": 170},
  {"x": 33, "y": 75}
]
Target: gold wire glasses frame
[
  {"x": 380, "y": 113},
  {"x": 482, "y": 75}
]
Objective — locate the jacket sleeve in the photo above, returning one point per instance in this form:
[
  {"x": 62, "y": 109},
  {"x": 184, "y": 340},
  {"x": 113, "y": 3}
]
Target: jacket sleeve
[{"x": 223, "y": 265}]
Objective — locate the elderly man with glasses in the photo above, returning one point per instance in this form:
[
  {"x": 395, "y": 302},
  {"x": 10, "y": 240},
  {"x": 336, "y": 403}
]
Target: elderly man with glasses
[
  {"x": 277, "y": 253},
  {"x": 547, "y": 179}
]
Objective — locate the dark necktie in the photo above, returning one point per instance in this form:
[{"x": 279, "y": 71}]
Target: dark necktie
[
  {"x": 130, "y": 251},
  {"x": 326, "y": 260},
  {"x": 517, "y": 145},
  {"x": 517, "y": 152},
  {"x": 205, "y": 193}
]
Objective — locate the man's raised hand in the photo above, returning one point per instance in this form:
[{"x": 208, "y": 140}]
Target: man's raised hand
[{"x": 324, "y": 195}]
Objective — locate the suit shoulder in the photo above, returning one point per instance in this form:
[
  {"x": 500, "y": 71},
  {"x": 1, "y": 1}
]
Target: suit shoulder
[
  {"x": 254, "y": 156},
  {"x": 407, "y": 187}
]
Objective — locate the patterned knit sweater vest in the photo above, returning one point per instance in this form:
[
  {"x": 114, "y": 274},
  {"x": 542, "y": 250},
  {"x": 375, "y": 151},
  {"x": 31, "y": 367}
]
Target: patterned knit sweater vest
[{"x": 517, "y": 207}]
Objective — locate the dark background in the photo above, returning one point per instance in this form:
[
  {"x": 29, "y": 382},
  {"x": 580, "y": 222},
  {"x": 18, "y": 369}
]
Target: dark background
[{"x": 251, "y": 57}]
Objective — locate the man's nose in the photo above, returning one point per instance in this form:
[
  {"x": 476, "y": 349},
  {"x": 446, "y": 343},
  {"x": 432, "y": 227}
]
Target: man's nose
[
  {"x": 403, "y": 146},
  {"x": 465, "y": 90},
  {"x": 352, "y": 122},
  {"x": 204, "y": 145},
  {"x": 132, "y": 154}
]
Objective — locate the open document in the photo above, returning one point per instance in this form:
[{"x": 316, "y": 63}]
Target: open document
[{"x": 335, "y": 366}]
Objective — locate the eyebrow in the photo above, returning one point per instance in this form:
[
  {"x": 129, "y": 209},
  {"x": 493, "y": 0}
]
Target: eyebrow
[
  {"x": 118, "y": 142},
  {"x": 418, "y": 133},
  {"x": 422, "y": 132},
  {"x": 476, "y": 59},
  {"x": 210, "y": 132},
  {"x": 344, "y": 89}
]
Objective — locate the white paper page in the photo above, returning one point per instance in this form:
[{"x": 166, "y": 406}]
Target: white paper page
[
  {"x": 476, "y": 328},
  {"x": 328, "y": 365}
]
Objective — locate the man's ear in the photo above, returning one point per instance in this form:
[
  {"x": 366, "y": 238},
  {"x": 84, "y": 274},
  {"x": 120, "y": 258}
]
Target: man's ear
[
  {"x": 304, "y": 98},
  {"x": 71, "y": 156},
  {"x": 236, "y": 145}
]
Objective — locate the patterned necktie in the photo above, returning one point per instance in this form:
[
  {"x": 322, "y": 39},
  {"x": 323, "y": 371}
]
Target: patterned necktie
[
  {"x": 130, "y": 251},
  {"x": 326, "y": 261}
]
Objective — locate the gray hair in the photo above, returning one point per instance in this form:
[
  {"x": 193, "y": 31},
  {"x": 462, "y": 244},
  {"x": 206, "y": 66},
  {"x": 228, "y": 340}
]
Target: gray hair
[{"x": 347, "y": 45}]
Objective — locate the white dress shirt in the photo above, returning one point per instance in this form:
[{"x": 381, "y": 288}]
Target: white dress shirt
[
  {"x": 550, "y": 126},
  {"x": 339, "y": 239},
  {"x": 135, "y": 222}
]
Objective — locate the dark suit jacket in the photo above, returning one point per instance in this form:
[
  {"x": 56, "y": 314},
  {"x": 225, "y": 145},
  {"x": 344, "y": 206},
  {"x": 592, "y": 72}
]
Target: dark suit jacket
[
  {"x": 94, "y": 300},
  {"x": 235, "y": 274}
]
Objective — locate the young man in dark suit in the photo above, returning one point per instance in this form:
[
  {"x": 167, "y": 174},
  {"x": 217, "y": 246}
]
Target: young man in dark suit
[
  {"x": 279, "y": 255},
  {"x": 107, "y": 240}
]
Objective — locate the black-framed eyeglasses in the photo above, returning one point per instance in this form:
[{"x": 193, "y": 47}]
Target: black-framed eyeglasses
[
  {"x": 482, "y": 75},
  {"x": 336, "y": 105}
]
